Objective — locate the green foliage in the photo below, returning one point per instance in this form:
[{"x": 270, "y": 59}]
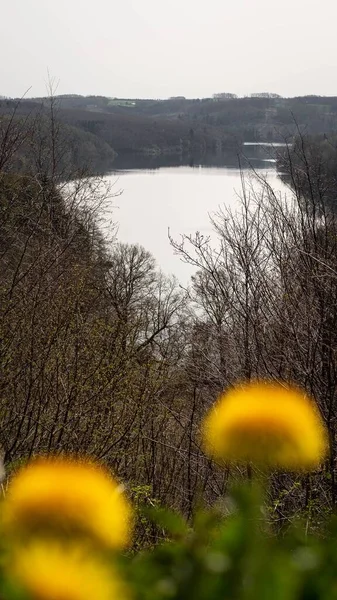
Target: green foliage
[
  {"x": 144, "y": 503},
  {"x": 238, "y": 556}
]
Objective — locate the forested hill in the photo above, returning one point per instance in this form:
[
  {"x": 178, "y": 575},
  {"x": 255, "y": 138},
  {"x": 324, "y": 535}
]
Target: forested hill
[
  {"x": 251, "y": 119},
  {"x": 104, "y": 126}
]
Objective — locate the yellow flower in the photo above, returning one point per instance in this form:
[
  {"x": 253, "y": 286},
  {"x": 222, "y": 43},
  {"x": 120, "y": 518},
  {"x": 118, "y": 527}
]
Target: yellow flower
[
  {"x": 69, "y": 497},
  {"x": 268, "y": 424},
  {"x": 47, "y": 571}
]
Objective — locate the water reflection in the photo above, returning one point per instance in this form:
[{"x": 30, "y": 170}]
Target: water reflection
[{"x": 258, "y": 156}]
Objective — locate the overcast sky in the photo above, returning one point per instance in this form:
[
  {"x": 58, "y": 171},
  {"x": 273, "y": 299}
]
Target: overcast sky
[{"x": 152, "y": 48}]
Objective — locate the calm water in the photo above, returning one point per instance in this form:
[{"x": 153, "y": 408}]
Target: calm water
[{"x": 178, "y": 199}]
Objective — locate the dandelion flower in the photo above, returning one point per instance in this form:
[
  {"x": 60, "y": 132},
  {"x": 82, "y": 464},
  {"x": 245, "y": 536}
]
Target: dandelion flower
[
  {"x": 268, "y": 424},
  {"x": 45, "y": 571},
  {"x": 70, "y": 497}
]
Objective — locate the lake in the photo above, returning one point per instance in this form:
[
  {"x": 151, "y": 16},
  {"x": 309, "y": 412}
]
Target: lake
[{"x": 178, "y": 199}]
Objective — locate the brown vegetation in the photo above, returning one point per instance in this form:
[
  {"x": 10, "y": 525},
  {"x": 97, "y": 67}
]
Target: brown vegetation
[{"x": 102, "y": 354}]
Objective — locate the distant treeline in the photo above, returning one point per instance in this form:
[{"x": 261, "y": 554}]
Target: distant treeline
[{"x": 101, "y": 127}]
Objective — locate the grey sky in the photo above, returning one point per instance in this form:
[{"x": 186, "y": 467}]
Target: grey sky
[{"x": 151, "y": 48}]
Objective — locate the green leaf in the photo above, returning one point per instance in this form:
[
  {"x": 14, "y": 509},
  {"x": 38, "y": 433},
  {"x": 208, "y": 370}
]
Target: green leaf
[{"x": 172, "y": 522}]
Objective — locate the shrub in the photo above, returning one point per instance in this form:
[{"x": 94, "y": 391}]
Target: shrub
[{"x": 59, "y": 514}]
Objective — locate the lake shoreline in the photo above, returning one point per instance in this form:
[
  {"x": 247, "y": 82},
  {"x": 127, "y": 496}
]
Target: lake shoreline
[
  {"x": 179, "y": 198},
  {"x": 250, "y": 154}
]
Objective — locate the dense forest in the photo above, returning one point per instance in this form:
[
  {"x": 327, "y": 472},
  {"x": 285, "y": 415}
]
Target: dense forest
[
  {"x": 102, "y": 353},
  {"x": 97, "y": 128}
]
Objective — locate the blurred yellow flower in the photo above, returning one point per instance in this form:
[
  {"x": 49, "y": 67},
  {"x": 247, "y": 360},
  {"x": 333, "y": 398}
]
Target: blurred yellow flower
[
  {"x": 47, "y": 571},
  {"x": 69, "y": 497},
  {"x": 268, "y": 424}
]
